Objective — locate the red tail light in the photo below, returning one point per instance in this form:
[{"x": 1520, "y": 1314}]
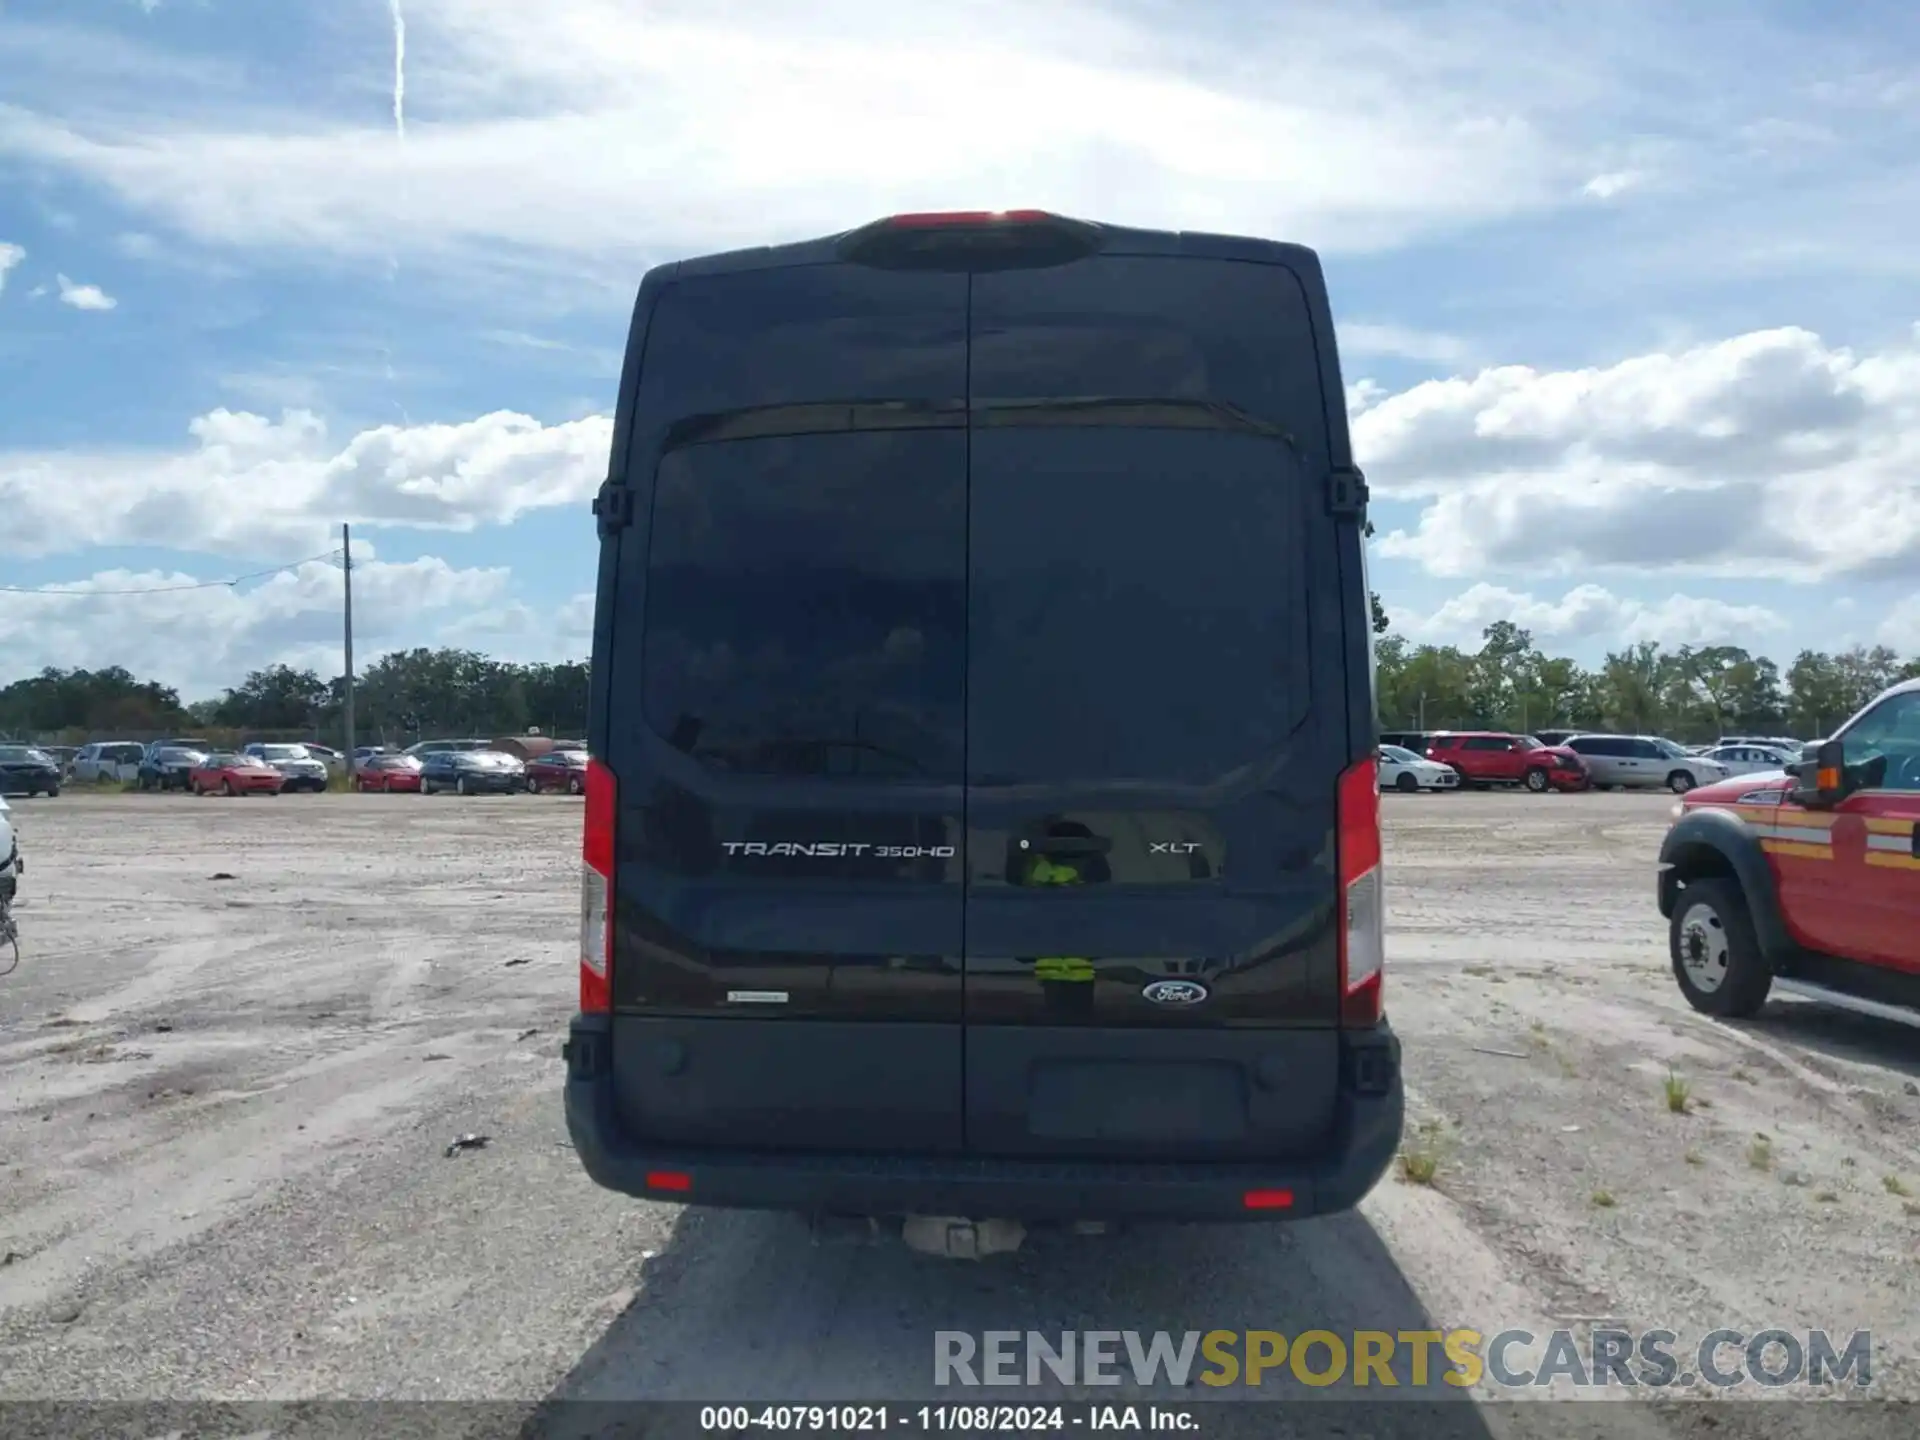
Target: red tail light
[
  {"x": 669, "y": 1180},
  {"x": 596, "y": 892},
  {"x": 1363, "y": 920},
  {"x": 1268, "y": 1200}
]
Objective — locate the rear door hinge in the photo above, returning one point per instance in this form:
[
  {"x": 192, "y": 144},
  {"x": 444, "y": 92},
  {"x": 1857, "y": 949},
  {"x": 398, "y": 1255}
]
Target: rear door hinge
[
  {"x": 1347, "y": 493},
  {"x": 613, "y": 507}
]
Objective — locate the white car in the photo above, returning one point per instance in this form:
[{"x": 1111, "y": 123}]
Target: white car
[
  {"x": 1405, "y": 771},
  {"x": 302, "y": 768},
  {"x": 1750, "y": 759}
]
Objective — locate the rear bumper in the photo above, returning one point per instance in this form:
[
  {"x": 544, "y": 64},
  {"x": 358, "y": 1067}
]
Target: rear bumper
[{"x": 1365, "y": 1138}]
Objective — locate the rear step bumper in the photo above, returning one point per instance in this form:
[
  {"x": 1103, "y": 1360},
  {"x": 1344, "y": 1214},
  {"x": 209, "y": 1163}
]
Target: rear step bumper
[{"x": 1365, "y": 1137}]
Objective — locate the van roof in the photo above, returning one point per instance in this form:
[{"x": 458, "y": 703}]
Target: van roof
[{"x": 1114, "y": 240}]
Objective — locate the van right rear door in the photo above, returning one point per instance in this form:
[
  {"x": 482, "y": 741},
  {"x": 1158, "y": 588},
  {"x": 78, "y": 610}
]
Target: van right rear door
[{"x": 1156, "y": 713}]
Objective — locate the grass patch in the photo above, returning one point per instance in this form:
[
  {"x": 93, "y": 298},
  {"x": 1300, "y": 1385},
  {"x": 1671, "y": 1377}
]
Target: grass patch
[
  {"x": 1743, "y": 1076},
  {"x": 1678, "y": 1092},
  {"x": 1827, "y": 1197},
  {"x": 1603, "y": 1200},
  {"x": 1911, "y": 1208},
  {"x": 1694, "y": 1157},
  {"x": 1894, "y": 1185},
  {"x": 1760, "y": 1153}
]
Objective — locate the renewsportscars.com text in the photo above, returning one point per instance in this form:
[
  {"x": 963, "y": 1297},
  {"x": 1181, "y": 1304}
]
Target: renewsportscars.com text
[{"x": 1508, "y": 1359}]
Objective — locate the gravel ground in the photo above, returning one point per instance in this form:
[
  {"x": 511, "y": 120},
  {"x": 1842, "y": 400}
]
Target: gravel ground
[{"x": 244, "y": 1033}]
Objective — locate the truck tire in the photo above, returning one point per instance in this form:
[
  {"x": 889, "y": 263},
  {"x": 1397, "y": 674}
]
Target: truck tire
[{"x": 1716, "y": 955}]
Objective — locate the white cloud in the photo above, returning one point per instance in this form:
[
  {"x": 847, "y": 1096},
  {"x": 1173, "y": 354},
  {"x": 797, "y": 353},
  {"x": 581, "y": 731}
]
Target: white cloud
[
  {"x": 1364, "y": 395},
  {"x": 84, "y": 297},
  {"x": 515, "y": 630},
  {"x": 252, "y": 486},
  {"x": 1592, "y": 613},
  {"x": 1360, "y": 337},
  {"x": 1901, "y": 628},
  {"x": 10, "y": 256},
  {"x": 202, "y": 640},
  {"x": 603, "y": 129},
  {"x": 1614, "y": 182},
  {"x": 1770, "y": 454}
]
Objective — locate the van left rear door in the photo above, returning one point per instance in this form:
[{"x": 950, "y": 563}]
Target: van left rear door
[{"x": 786, "y": 724}]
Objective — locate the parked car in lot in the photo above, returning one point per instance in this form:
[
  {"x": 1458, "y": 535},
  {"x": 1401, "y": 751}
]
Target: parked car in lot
[
  {"x": 471, "y": 772},
  {"x": 28, "y": 770},
  {"x": 1786, "y": 744},
  {"x": 1637, "y": 761},
  {"x": 327, "y": 756},
  {"x": 1805, "y": 882},
  {"x": 1414, "y": 740},
  {"x": 302, "y": 768},
  {"x": 227, "y": 773},
  {"x": 382, "y": 774},
  {"x": 1750, "y": 758},
  {"x": 424, "y": 748},
  {"x": 1402, "y": 770},
  {"x": 168, "y": 763},
  {"x": 1497, "y": 757},
  {"x": 108, "y": 760},
  {"x": 558, "y": 771}
]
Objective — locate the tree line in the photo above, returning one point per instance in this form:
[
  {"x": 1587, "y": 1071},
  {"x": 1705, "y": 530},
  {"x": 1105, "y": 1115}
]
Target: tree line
[
  {"x": 401, "y": 697},
  {"x": 1507, "y": 683},
  {"x": 1689, "y": 693}
]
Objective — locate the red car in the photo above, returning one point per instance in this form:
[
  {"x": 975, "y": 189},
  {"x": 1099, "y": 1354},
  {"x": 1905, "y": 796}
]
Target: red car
[
  {"x": 387, "y": 773},
  {"x": 1805, "y": 881},
  {"x": 1494, "y": 757},
  {"x": 558, "y": 770},
  {"x": 234, "y": 775}
]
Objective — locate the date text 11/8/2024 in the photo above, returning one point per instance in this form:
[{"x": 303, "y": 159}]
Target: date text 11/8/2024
[{"x": 948, "y": 1419}]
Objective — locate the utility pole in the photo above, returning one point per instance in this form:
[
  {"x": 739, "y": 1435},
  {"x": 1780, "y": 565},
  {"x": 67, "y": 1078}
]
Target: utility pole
[{"x": 346, "y": 566}]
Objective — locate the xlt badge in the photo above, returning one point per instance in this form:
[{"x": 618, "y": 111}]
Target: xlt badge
[{"x": 1174, "y": 847}]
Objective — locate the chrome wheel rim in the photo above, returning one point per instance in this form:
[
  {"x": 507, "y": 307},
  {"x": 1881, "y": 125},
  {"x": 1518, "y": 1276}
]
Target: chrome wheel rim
[{"x": 1704, "y": 952}]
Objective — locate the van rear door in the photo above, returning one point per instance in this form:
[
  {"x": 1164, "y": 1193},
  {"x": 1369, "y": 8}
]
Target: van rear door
[
  {"x": 785, "y": 713},
  {"x": 1156, "y": 713}
]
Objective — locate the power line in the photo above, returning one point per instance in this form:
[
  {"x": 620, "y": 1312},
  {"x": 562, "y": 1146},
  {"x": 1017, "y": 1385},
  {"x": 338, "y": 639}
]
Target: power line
[{"x": 171, "y": 589}]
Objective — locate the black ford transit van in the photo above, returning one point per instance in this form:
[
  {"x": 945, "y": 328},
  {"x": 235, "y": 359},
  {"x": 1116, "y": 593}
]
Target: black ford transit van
[{"x": 982, "y": 818}]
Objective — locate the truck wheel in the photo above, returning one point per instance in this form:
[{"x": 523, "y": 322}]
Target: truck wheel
[
  {"x": 1679, "y": 782},
  {"x": 1537, "y": 781},
  {"x": 1716, "y": 956}
]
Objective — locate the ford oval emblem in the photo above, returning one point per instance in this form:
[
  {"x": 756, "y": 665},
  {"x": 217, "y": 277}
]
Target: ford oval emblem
[{"x": 1175, "y": 992}]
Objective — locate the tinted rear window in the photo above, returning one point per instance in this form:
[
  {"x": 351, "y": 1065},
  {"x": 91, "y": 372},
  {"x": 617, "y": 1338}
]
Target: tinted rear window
[
  {"x": 1154, "y": 328},
  {"x": 788, "y": 336},
  {"x": 1138, "y": 604},
  {"x": 806, "y": 606}
]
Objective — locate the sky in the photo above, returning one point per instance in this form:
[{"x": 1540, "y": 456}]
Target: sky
[{"x": 1627, "y": 299}]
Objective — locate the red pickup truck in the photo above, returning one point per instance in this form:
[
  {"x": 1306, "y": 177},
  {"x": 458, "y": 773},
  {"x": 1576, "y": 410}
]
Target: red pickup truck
[
  {"x": 1806, "y": 880},
  {"x": 1493, "y": 757}
]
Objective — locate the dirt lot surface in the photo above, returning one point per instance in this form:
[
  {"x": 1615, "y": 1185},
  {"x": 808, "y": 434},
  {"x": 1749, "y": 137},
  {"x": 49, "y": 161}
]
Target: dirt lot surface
[{"x": 244, "y": 1033}]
